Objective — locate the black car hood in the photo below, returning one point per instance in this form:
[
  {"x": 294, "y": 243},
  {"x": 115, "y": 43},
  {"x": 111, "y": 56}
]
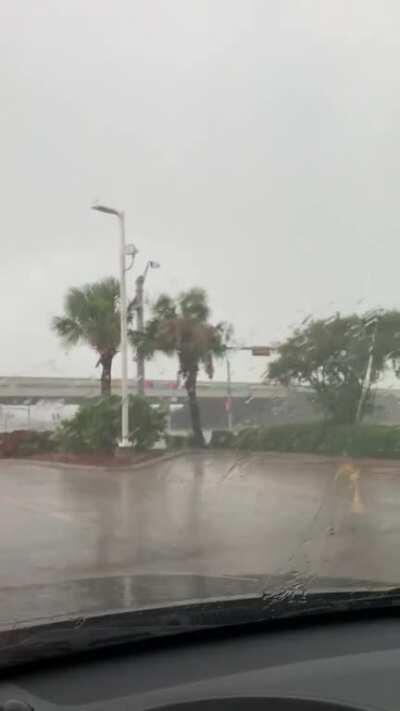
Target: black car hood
[
  {"x": 82, "y": 596},
  {"x": 64, "y": 618}
]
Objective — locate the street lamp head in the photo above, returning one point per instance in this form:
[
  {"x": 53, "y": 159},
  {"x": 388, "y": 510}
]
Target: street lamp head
[
  {"x": 107, "y": 210},
  {"x": 131, "y": 250}
]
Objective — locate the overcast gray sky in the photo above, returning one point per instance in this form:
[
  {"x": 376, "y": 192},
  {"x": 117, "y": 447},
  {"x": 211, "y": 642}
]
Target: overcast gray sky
[{"x": 254, "y": 145}]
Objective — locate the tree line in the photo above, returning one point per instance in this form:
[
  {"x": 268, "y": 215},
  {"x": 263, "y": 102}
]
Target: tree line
[
  {"x": 179, "y": 327},
  {"x": 339, "y": 358}
]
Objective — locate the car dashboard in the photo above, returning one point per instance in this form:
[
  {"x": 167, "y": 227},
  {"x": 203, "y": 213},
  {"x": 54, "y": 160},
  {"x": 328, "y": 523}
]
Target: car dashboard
[{"x": 353, "y": 664}]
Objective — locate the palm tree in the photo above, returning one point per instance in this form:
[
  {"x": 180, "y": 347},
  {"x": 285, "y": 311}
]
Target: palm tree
[
  {"x": 92, "y": 317},
  {"x": 181, "y": 327}
]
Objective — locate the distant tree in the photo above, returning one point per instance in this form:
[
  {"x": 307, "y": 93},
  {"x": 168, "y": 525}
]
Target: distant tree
[
  {"x": 92, "y": 317},
  {"x": 340, "y": 358},
  {"x": 180, "y": 327}
]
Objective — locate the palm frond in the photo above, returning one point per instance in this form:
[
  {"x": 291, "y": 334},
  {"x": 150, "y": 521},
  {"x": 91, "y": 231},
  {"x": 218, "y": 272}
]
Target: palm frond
[
  {"x": 91, "y": 315},
  {"x": 180, "y": 327},
  {"x": 164, "y": 308},
  {"x": 67, "y": 329},
  {"x": 193, "y": 304}
]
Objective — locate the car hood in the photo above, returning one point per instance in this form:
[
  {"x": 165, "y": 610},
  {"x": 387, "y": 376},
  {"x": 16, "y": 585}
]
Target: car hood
[
  {"x": 81, "y": 596},
  {"x": 47, "y": 621}
]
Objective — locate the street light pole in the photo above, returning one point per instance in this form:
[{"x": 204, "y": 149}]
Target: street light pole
[
  {"x": 124, "y": 325},
  {"x": 124, "y": 339},
  {"x": 140, "y": 376}
]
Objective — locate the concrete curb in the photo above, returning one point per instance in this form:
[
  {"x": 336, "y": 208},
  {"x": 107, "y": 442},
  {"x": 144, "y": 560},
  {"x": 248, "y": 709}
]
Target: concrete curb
[
  {"x": 93, "y": 467},
  {"x": 155, "y": 460}
]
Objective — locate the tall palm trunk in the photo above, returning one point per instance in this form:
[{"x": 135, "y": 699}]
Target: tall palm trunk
[
  {"x": 105, "y": 380},
  {"x": 190, "y": 384}
]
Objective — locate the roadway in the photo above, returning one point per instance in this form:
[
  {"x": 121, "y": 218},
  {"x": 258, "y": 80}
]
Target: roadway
[{"x": 202, "y": 516}]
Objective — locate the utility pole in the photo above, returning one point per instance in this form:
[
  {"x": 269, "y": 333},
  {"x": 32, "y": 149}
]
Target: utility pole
[
  {"x": 139, "y": 305},
  {"x": 368, "y": 372},
  {"x": 229, "y": 392},
  {"x": 140, "y": 366}
]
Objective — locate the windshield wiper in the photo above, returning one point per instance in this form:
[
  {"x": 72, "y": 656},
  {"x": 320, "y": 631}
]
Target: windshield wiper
[{"x": 59, "y": 637}]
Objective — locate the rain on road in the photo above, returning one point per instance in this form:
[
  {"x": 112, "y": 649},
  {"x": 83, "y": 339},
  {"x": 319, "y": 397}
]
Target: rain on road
[{"x": 202, "y": 514}]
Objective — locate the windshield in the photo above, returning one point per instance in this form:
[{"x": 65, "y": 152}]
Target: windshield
[{"x": 200, "y": 310}]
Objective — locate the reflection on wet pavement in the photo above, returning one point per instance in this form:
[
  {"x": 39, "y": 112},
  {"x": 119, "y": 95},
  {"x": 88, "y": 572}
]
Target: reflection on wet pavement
[{"x": 205, "y": 515}]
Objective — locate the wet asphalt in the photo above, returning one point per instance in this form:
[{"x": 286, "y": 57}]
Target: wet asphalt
[{"x": 203, "y": 524}]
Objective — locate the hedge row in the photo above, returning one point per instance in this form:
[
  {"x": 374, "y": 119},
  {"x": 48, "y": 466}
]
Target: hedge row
[
  {"x": 24, "y": 443},
  {"x": 317, "y": 438},
  {"x": 176, "y": 441}
]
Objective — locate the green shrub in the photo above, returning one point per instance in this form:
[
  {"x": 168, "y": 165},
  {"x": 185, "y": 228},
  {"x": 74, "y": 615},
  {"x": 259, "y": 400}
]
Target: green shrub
[
  {"x": 223, "y": 439},
  {"x": 176, "y": 441},
  {"x": 24, "y": 443},
  {"x": 249, "y": 438},
  {"x": 321, "y": 438},
  {"x": 292, "y": 438},
  {"x": 362, "y": 441},
  {"x": 36, "y": 443},
  {"x": 97, "y": 425},
  {"x": 147, "y": 423}
]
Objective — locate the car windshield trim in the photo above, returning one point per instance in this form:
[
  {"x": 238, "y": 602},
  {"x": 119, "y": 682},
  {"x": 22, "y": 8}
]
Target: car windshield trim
[{"x": 56, "y": 638}]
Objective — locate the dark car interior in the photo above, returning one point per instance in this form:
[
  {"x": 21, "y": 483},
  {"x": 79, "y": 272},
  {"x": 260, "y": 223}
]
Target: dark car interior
[{"x": 330, "y": 664}]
